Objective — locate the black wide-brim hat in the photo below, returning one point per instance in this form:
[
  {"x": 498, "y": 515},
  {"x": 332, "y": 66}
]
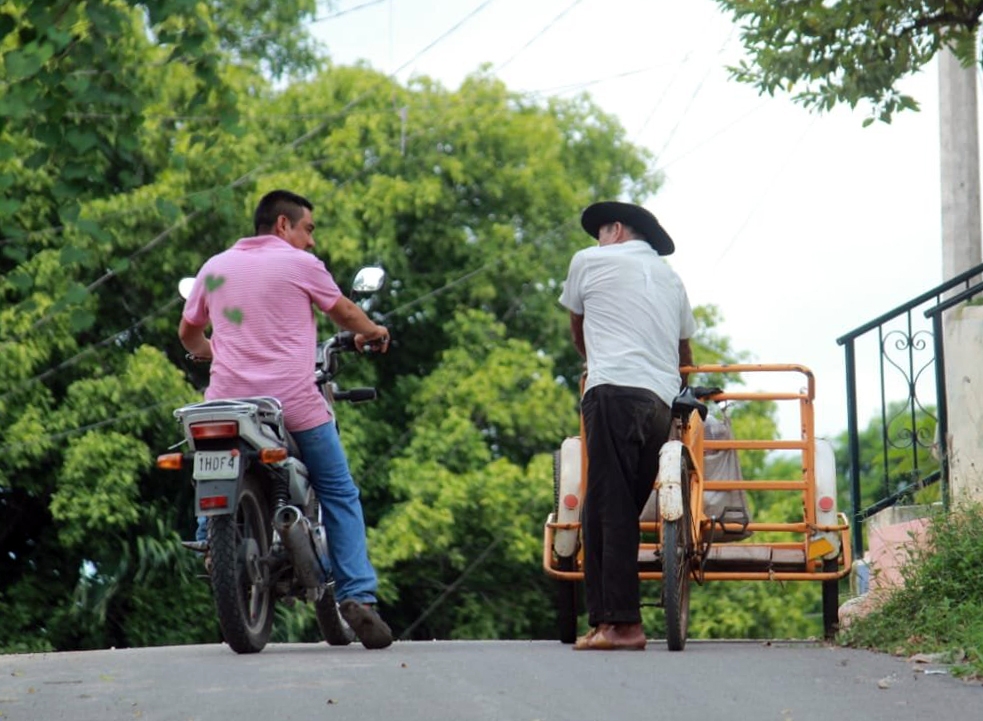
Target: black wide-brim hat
[{"x": 641, "y": 220}]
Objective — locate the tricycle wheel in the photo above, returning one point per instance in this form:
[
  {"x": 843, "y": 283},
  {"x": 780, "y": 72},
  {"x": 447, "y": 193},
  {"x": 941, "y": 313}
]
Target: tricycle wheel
[
  {"x": 240, "y": 583},
  {"x": 831, "y": 601},
  {"x": 676, "y": 542},
  {"x": 675, "y": 582},
  {"x": 567, "y": 602}
]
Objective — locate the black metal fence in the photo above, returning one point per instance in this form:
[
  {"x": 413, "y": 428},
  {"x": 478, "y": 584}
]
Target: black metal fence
[{"x": 900, "y": 355}]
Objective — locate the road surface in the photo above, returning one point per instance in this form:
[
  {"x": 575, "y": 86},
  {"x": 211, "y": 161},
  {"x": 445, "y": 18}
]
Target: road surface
[{"x": 483, "y": 681}]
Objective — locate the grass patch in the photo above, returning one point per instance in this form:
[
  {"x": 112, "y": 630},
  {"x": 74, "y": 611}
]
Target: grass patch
[{"x": 939, "y": 609}]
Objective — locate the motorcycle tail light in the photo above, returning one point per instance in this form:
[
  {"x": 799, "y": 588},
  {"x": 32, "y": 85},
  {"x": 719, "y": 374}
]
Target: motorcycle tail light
[
  {"x": 212, "y": 502},
  {"x": 170, "y": 461},
  {"x": 218, "y": 429},
  {"x": 272, "y": 455}
]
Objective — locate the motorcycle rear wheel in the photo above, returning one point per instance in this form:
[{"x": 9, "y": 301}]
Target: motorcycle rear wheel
[{"x": 240, "y": 582}]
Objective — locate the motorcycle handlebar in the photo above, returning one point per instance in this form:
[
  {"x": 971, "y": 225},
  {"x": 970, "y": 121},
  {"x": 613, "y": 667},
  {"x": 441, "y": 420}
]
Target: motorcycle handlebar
[
  {"x": 343, "y": 341},
  {"x": 356, "y": 395}
]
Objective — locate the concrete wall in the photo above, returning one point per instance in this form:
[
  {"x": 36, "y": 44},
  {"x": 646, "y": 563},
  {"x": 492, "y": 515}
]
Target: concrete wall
[
  {"x": 892, "y": 535},
  {"x": 964, "y": 382}
]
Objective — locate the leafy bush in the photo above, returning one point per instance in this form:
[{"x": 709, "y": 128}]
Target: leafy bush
[{"x": 939, "y": 608}]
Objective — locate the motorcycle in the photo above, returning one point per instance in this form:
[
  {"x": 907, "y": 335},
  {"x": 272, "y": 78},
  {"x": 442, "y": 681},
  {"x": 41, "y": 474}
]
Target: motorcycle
[{"x": 265, "y": 539}]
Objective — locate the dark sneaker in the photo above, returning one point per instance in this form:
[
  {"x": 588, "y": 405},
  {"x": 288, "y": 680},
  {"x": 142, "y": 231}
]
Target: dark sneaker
[
  {"x": 368, "y": 626},
  {"x": 333, "y": 627}
]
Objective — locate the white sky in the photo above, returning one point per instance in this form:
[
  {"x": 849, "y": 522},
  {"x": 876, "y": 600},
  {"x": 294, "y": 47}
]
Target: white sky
[{"x": 800, "y": 227}]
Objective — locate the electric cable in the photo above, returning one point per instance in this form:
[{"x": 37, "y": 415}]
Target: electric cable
[
  {"x": 692, "y": 97},
  {"x": 764, "y": 193},
  {"x": 346, "y": 11},
  {"x": 89, "y": 427},
  {"x": 88, "y": 350},
  {"x": 454, "y": 283},
  {"x": 111, "y": 273},
  {"x": 538, "y": 35}
]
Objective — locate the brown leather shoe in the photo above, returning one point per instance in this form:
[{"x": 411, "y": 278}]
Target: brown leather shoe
[
  {"x": 616, "y": 637},
  {"x": 583, "y": 642}
]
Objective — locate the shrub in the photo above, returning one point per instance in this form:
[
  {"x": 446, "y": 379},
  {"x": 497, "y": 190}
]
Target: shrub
[{"x": 939, "y": 608}]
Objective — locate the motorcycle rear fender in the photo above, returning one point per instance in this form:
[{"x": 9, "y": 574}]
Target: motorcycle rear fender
[
  {"x": 229, "y": 488},
  {"x": 261, "y": 426},
  {"x": 301, "y": 493}
]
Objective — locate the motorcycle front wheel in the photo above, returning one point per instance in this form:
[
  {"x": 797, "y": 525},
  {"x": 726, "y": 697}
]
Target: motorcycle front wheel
[{"x": 240, "y": 583}]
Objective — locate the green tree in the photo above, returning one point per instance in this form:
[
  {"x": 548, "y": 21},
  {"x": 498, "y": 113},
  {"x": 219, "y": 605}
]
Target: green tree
[
  {"x": 471, "y": 487},
  {"x": 161, "y": 128},
  {"x": 825, "y": 53},
  {"x": 119, "y": 130},
  {"x": 469, "y": 206},
  {"x": 469, "y": 198}
]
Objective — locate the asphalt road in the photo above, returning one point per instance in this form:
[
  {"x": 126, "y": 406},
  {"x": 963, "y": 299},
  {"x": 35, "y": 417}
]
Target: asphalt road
[{"x": 482, "y": 681}]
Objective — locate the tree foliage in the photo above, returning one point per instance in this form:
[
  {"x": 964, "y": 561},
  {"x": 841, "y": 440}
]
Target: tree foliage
[
  {"x": 135, "y": 140},
  {"x": 825, "y": 53},
  {"x": 110, "y": 117}
]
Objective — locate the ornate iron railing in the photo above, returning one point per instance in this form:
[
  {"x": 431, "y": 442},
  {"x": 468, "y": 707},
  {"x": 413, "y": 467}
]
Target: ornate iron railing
[{"x": 904, "y": 347}]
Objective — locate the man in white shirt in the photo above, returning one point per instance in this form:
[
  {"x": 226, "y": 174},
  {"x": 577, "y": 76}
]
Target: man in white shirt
[{"x": 631, "y": 319}]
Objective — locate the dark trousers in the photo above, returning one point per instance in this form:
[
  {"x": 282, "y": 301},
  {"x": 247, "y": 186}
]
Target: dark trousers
[{"x": 626, "y": 428}]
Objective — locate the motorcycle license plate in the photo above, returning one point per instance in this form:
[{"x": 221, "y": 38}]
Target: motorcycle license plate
[{"x": 212, "y": 465}]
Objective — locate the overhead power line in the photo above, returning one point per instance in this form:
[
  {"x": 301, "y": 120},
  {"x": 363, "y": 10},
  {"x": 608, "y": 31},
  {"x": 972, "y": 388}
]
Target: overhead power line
[
  {"x": 572, "y": 87},
  {"x": 694, "y": 94},
  {"x": 714, "y": 135},
  {"x": 446, "y": 34},
  {"x": 89, "y": 349},
  {"x": 90, "y": 427},
  {"x": 346, "y": 11},
  {"x": 458, "y": 281},
  {"x": 764, "y": 192},
  {"x": 292, "y": 145},
  {"x": 538, "y": 35}
]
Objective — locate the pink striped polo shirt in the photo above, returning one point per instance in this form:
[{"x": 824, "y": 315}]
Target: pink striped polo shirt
[{"x": 258, "y": 296}]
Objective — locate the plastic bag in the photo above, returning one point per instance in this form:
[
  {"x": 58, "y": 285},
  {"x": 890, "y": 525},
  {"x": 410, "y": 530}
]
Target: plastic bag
[{"x": 723, "y": 465}]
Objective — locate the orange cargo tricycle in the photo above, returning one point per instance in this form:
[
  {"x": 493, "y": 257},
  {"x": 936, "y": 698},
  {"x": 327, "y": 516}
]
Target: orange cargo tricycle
[{"x": 695, "y": 526}]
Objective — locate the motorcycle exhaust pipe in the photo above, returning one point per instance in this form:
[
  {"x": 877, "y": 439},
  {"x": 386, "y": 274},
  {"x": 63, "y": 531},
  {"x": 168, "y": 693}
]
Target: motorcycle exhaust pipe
[{"x": 295, "y": 532}]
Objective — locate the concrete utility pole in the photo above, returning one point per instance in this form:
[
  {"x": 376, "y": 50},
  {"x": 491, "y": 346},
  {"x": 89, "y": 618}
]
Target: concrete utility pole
[{"x": 960, "y": 159}]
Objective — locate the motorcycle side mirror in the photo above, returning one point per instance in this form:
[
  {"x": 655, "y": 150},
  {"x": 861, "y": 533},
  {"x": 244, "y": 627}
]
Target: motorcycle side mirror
[
  {"x": 184, "y": 287},
  {"x": 369, "y": 279}
]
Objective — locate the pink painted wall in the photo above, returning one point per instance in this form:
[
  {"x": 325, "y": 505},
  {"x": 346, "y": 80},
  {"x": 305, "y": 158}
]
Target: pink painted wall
[{"x": 888, "y": 548}]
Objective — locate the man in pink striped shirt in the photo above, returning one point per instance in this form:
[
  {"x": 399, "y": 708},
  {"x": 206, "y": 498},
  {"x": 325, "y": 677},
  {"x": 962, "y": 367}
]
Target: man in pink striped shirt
[{"x": 258, "y": 297}]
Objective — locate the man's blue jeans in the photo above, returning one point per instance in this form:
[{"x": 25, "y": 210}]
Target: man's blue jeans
[{"x": 341, "y": 511}]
